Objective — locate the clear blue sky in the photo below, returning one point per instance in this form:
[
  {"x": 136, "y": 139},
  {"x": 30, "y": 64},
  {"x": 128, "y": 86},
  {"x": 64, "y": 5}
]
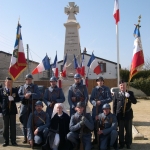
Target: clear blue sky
[{"x": 42, "y": 27}]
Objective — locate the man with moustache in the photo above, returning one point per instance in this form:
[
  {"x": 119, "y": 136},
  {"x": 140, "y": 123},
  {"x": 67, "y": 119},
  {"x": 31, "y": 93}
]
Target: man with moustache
[{"x": 37, "y": 126}]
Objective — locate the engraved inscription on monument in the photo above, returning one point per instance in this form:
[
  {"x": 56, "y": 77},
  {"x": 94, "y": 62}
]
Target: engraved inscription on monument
[{"x": 72, "y": 40}]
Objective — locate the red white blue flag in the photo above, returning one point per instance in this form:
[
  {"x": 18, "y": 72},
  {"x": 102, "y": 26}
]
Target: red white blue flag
[
  {"x": 93, "y": 64},
  {"x": 63, "y": 74},
  {"x": 55, "y": 67},
  {"x": 83, "y": 66},
  {"x": 138, "y": 57},
  {"x": 76, "y": 65},
  {"x": 44, "y": 65},
  {"x": 18, "y": 61},
  {"x": 116, "y": 12}
]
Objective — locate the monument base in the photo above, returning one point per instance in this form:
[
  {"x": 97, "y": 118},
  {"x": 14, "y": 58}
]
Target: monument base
[{"x": 136, "y": 135}]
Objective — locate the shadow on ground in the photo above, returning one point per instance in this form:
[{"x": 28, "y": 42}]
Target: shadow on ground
[{"x": 138, "y": 123}]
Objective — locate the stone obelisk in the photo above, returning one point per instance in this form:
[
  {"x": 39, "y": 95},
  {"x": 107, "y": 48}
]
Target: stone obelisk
[{"x": 72, "y": 40}]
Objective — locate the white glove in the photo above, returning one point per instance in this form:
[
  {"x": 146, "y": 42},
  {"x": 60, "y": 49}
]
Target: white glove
[
  {"x": 127, "y": 94},
  {"x": 94, "y": 103},
  {"x": 48, "y": 103},
  {"x": 10, "y": 98},
  {"x": 50, "y": 89}
]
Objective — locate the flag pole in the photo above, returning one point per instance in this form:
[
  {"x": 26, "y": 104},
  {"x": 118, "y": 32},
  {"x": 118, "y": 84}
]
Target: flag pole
[{"x": 118, "y": 69}]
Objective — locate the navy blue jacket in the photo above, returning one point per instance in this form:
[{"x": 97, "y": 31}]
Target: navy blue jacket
[
  {"x": 118, "y": 105},
  {"x": 33, "y": 89},
  {"x": 5, "y": 101},
  {"x": 107, "y": 122},
  {"x": 102, "y": 94},
  {"x": 56, "y": 96},
  {"x": 75, "y": 125},
  {"x": 77, "y": 90},
  {"x": 40, "y": 121}
]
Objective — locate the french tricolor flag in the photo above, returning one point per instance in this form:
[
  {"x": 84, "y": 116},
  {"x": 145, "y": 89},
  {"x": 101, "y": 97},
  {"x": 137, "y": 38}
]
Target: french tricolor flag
[
  {"x": 18, "y": 61},
  {"x": 44, "y": 65},
  {"x": 138, "y": 56},
  {"x": 83, "y": 66},
  {"x": 64, "y": 67},
  {"x": 55, "y": 67},
  {"x": 76, "y": 65},
  {"x": 116, "y": 12},
  {"x": 93, "y": 64}
]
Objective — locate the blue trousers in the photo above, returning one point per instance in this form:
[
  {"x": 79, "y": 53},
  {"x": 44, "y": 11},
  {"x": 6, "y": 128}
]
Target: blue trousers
[
  {"x": 49, "y": 110},
  {"x": 24, "y": 115},
  {"x": 104, "y": 139},
  {"x": 41, "y": 136},
  {"x": 74, "y": 138}
]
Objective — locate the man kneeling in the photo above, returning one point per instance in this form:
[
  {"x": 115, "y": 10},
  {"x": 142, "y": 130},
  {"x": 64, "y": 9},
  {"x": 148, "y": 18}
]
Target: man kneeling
[
  {"x": 108, "y": 128},
  {"x": 81, "y": 126},
  {"x": 37, "y": 129}
]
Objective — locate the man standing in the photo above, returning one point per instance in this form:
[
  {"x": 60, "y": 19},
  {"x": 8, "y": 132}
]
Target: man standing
[
  {"x": 100, "y": 95},
  {"x": 27, "y": 93},
  {"x": 81, "y": 125},
  {"x": 53, "y": 95},
  {"x": 122, "y": 108},
  {"x": 8, "y": 97},
  {"x": 37, "y": 126},
  {"x": 77, "y": 92},
  {"x": 108, "y": 128}
]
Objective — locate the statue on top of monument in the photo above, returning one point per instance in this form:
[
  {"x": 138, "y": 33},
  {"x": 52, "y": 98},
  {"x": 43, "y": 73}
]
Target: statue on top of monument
[{"x": 71, "y": 10}]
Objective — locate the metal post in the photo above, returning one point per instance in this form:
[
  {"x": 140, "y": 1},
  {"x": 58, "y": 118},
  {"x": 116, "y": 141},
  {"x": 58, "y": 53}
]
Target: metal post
[
  {"x": 28, "y": 69},
  {"x": 118, "y": 72}
]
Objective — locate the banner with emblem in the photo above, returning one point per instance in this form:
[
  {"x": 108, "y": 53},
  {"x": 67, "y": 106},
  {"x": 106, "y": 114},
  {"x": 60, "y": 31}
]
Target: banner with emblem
[
  {"x": 138, "y": 56},
  {"x": 18, "y": 61}
]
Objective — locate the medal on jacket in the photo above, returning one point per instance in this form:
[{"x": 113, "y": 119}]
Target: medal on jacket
[
  {"x": 127, "y": 100},
  {"x": 10, "y": 101},
  {"x": 6, "y": 94}
]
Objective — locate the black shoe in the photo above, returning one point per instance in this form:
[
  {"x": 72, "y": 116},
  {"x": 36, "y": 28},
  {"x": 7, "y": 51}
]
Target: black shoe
[
  {"x": 94, "y": 142},
  {"x": 121, "y": 146},
  {"x": 14, "y": 144},
  {"x": 128, "y": 147},
  {"x": 5, "y": 144}
]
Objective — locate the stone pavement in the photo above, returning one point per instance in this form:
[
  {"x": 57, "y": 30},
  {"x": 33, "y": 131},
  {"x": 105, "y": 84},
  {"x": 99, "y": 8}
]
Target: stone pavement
[{"x": 141, "y": 122}]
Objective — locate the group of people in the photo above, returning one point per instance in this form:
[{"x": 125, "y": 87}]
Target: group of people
[{"x": 54, "y": 129}]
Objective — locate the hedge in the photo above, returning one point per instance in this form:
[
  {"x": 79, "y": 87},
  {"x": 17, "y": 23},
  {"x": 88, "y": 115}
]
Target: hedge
[
  {"x": 140, "y": 81},
  {"x": 143, "y": 84},
  {"x": 124, "y": 74}
]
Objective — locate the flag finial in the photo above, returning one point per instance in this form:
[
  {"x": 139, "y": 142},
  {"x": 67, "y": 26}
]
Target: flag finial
[
  {"x": 139, "y": 19},
  {"x": 18, "y": 19}
]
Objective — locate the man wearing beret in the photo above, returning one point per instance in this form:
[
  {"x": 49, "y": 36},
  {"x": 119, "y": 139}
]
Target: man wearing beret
[
  {"x": 100, "y": 95},
  {"x": 8, "y": 97},
  {"x": 27, "y": 93},
  {"x": 122, "y": 108},
  {"x": 37, "y": 126}
]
